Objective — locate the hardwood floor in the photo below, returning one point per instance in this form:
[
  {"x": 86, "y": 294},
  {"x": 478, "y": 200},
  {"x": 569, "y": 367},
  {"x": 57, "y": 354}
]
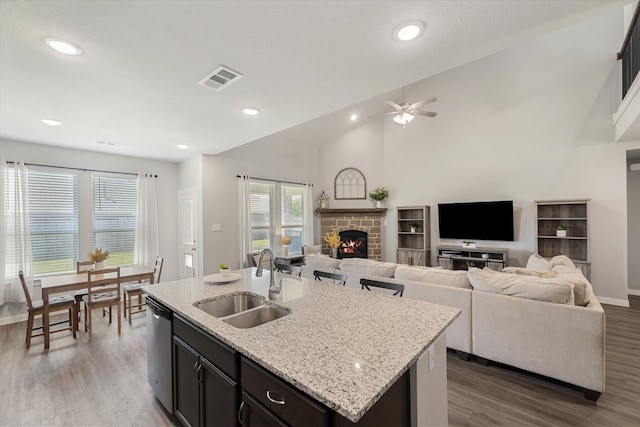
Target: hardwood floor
[{"x": 104, "y": 383}]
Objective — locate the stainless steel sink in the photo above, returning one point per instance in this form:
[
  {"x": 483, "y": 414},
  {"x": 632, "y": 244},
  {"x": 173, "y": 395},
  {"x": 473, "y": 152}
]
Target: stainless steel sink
[
  {"x": 256, "y": 316},
  {"x": 230, "y": 304}
]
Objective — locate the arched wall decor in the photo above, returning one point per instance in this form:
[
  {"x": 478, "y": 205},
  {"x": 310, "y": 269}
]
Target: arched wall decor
[{"x": 350, "y": 184}]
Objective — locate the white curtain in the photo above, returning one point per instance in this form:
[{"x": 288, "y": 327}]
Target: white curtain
[
  {"x": 16, "y": 239},
  {"x": 307, "y": 209},
  {"x": 146, "y": 247},
  {"x": 244, "y": 218}
]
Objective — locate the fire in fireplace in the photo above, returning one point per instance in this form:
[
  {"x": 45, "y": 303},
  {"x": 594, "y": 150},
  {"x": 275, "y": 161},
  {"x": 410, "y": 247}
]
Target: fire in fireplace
[{"x": 353, "y": 244}]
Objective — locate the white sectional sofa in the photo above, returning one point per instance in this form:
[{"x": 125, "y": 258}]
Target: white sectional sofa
[{"x": 524, "y": 318}]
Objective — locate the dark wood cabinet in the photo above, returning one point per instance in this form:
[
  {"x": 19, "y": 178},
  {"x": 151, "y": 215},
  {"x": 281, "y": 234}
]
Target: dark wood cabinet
[
  {"x": 204, "y": 395},
  {"x": 253, "y": 414}
]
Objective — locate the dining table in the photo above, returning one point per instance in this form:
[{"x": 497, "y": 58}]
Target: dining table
[{"x": 63, "y": 283}]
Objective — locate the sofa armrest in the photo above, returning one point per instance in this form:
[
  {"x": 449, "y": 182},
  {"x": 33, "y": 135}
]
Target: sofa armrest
[{"x": 560, "y": 341}]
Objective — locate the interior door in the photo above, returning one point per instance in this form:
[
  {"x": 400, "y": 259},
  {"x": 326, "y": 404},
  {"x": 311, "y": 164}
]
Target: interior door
[{"x": 188, "y": 219}]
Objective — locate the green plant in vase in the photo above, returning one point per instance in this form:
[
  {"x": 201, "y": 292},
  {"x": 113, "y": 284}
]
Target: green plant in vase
[{"x": 379, "y": 195}]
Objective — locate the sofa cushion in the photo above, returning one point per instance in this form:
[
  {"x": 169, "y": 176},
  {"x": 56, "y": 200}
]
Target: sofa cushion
[
  {"x": 524, "y": 271},
  {"x": 433, "y": 275},
  {"x": 538, "y": 263},
  {"x": 321, "y": 261},
  {"x": 309, "y": 250},
  {"x": 531, "y": 287},
  {"x": 581, "y": 286},
  {"x": 562, "y": 260},
  {"x": 368, "y": 267}
]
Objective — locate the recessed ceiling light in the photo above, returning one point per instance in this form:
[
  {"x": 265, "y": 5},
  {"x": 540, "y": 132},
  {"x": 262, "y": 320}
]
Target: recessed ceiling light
[
  {"x": 63, "y": 46},
  {"x": 250, "y": 111},
  {"x": 182, "y": 146},
  {"x": 51, "y": 122},
  {"x": 353, "y": 117},
  {"x": 408, "y": 31}
]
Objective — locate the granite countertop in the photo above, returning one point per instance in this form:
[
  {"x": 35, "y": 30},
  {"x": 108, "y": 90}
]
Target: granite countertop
[{"x": 342, "y": 346}]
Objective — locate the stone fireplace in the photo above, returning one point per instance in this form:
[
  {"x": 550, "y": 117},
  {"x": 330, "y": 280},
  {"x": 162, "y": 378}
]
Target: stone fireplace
[{"x": 364, "y": 220}]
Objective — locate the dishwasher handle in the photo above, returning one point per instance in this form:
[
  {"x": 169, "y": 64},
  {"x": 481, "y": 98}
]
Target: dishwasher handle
[{"x": 158, "y": 309}]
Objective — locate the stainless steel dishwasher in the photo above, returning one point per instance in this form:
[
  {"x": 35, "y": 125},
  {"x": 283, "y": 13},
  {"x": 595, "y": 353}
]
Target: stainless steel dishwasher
[{"x": 159, "y": 361}]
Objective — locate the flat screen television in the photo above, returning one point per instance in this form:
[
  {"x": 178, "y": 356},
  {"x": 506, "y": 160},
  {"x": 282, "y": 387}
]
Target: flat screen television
[{"x": 476, "y": 220}]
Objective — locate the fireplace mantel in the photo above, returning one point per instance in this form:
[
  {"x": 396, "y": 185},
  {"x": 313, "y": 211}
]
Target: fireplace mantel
[{"x": 352, "y": 211}]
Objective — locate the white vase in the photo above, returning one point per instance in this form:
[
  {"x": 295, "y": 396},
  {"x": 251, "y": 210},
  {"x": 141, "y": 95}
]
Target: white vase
[
  {"x": 225, "y": 272},
  {"x": 378, "y": 204},
  {"x": 413, "y": 229},
  {"x": 334, "y": 252},
  {"x": 561, "y": 233},
  {"x": 99, "y": 265}
]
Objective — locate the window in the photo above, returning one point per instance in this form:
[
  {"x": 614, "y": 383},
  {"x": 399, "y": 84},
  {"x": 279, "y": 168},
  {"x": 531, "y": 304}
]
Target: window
[
  {"x": 114, "y": 217},
  {"x": 269, "y": 222},
  {"x": 53, "y": 221}
]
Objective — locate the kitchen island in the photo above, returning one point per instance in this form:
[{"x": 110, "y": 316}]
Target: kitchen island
[{"x": 342, "y": 347}]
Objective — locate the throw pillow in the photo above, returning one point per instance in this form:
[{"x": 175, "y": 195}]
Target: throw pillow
[
  {"x": 530, "y": 287},
  {"x": 562, "y": 260},
  {"x": 581, "y": 286},
  {"x": 321, "y": 261},
  {"x": 538, "y": 263},
  {"x": 368, "y": 267},
  {"x": 310, "y": 250},
  {"x": 524, "y": 271}
]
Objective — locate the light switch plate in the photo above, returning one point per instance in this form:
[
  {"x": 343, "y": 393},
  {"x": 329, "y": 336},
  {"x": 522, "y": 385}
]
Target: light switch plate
[{"x": 216, "y": 227}]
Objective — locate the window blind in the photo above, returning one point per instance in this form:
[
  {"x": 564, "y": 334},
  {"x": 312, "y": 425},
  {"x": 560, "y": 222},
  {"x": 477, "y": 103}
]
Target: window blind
[
  {"x": 291, "y": 215},
  {"x": 114, "y": 217},
  {"x": 262, "y": 206},
  {"x": 53, "y": 221}
]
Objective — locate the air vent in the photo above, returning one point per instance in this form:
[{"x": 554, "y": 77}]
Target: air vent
[{"x": 220, "y": 78}]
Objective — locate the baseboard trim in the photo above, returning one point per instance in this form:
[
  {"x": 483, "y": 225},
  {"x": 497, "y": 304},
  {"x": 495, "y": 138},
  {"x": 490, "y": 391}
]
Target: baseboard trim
[
  {"x": 613, "y": 301},
  {"x": 634, "y": 291},
  {"x": 13, "y": 319}
]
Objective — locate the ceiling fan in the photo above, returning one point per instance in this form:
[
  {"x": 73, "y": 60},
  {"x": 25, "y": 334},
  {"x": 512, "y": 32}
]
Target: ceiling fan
[{"x": 406, "y": 112}]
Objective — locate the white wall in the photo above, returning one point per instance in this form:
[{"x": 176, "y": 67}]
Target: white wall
[{"x": 633, "y": 234}]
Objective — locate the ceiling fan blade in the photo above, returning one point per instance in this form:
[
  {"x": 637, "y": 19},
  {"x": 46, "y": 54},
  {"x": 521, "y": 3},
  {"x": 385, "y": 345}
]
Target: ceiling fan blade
[
  {"x": 423, "y": 102},
  {"x": 393, "y": 104},
  {"x": 424, "y": 113},
  {"x": 384, "y": 114}
]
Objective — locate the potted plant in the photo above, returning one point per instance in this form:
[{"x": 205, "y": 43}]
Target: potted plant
[
  {"x": 379, "y": 195},
  {"x": 561, "y": 231},
  {"x": 98, "y": 256},
  {"x": 333, "y": 240},
  {"x": 414, "y": 226},
  {"x": 224, "y": 269}
]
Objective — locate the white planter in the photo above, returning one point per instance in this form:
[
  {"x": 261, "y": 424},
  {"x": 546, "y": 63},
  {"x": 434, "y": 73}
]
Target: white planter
[
  {"x": 413, "y": 229},
  {"x": 99, "y": 265},
  {"x": 379, "y": 204},
  {"x": 561, "y": 233},
  {"x": 334, "y": 252},
  {"x": 225, "y": 272}
]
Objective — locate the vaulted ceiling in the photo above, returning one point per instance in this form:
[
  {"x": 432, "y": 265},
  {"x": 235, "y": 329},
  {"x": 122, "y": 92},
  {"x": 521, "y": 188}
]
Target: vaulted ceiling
[{"x": 135, "y": 85}]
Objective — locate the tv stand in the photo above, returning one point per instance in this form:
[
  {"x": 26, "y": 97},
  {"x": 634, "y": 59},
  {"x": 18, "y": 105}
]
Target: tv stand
[{"x": 459, "y": 258}]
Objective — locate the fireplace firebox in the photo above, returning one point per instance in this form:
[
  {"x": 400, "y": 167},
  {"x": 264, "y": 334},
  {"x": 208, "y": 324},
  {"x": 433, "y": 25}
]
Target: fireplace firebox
[{"x": 353, "y": 244}]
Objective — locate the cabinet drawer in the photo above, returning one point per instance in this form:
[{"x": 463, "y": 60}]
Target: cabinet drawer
[
  {"x": 294, "y": 407},
  {"x": 217, "y": 352}
]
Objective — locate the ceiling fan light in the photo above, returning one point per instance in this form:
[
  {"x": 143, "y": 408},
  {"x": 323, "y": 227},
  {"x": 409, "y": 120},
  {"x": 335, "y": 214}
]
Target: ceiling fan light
[{"x": 403, "y": 118}]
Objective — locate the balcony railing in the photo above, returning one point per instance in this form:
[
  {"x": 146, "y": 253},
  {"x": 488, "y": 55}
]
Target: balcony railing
[{"x": 630, "y": 53}]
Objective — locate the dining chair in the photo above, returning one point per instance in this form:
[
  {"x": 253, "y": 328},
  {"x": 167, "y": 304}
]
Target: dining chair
[
  {"x": 103, "y": 291},
  {"x": 397, "y": 287},
  {"x": 81, "y": 267},
  {"x": 294, "y": 269},
  {"x": 340, "y": 278},
  {"x": 135, "y": 289},
  {"x": 56, "y": 303}
]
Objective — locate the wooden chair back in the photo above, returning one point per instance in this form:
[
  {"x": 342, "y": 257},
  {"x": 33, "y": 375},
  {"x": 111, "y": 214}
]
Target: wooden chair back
[
  {"x": 294, "y": 269},
  {"x": 340, "y": 278},
  {"x": 157, "y": 269},
  {"x": 101, "y": 281},
  {"x": 397, "y": 287},
  {"x": 82, "y": 266},
  {"x": 27, "y": 294}
]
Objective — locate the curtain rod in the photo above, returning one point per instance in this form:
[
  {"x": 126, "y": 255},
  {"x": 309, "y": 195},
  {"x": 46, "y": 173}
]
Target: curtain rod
[
  {"x": 274, "y": 180},
  {"x": 80, "y": 169}
]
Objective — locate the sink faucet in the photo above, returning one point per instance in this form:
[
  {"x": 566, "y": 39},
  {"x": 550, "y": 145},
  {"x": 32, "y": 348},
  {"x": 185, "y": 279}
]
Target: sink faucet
[{"x": 273, "y": 288}]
